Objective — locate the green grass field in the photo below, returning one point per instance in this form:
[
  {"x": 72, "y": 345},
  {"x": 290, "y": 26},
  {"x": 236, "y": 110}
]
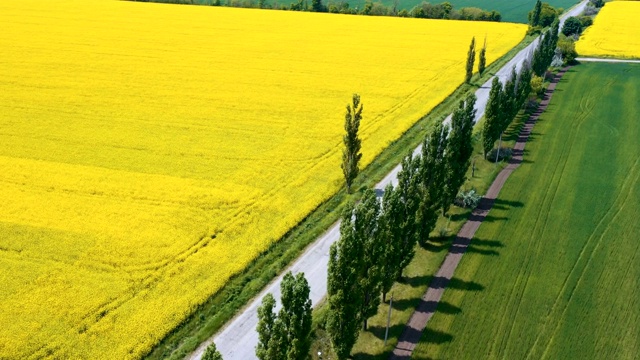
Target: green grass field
[
  {"x": 553, "y": 272},
  {"x": 511, "y": 10}
]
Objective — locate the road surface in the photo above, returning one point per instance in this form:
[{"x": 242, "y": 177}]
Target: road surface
[{"x": 238, "y": 339}]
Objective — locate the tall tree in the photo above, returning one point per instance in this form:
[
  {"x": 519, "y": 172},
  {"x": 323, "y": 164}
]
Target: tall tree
[
  {"x": 508, "y": 106},
  {"x": 482, "y": 59},
  {"x": 211, "y": 353},
  {"x": 390, "y": 222},
  {"x": 459, "y": 149},
  {"x": 351, "y": 154},
  {"x": 534, "y": 16},
  {"x": 492, "y": 117},
  {"x": 408, "y": 192},
  {"x": 287, "y": 334},
  {"x": 537, "y": 64},
  {"x": 432, "y": 181},
  {"x": 524, "y": 83},
  {"x": 316, "y": 5},
  {"x": 471, "y": 58},
  {"x": 296, "y": 315},
  {"x": 266, "y": 324},
  {"x": 366, "y": 223},
  {"x": 343, "y": 287}
]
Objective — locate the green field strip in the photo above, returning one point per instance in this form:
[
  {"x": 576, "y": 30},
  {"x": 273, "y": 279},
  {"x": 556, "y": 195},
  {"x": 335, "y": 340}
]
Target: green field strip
[{"x": 564, "y": 281}]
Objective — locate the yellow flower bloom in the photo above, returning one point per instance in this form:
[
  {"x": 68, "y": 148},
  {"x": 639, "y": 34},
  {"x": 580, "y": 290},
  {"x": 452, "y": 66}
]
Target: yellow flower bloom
[{"x": 151, "y": 151}]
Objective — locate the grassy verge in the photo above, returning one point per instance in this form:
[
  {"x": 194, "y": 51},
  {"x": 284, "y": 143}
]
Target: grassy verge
[
  {"x": 562, "y": 276},
  {"x": 222, "y": 306}
]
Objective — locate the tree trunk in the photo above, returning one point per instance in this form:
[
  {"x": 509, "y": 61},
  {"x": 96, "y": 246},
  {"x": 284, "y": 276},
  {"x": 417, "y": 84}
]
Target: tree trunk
[
  {"x": 365, "y": 325},
  {"x": 499, "y": 145},
  {"x": 384, "y": 296}
]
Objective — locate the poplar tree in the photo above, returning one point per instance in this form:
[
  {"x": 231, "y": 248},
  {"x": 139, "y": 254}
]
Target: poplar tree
[
  {"x": 343, "y": 287},
  {"x": 471, "y": 58},
  {"x": 508, "y": 105},
  {"x": 432, "y": 181},
  {"x": 459, "y": 149},
  {"x": 265, "y": 328},
  {"x": 287, "y": 334},
  {"x": 492, "y": 117},
  {"x": 390, "y": 222},
  {"x": 211, "y": 353},
  {"x": 408, "y": 193},
  {"x": 534, "y": 16},
  {"x": 296, "y": 315},
  {"x": 524, "y": 83},
  {"x": 482, "y": 60},
  {"x": 351, "y": 154},
  {"x": 366, "y": 223}
]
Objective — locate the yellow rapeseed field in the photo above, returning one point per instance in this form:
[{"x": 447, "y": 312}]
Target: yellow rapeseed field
[
  {"x": 614, "y": 33},
  {"x": 150, "y": 151}
]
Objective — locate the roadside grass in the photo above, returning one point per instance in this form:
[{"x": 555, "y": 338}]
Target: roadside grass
[
  {"x": 222, "y": 306},
  {"x": 563, "y": 282}
]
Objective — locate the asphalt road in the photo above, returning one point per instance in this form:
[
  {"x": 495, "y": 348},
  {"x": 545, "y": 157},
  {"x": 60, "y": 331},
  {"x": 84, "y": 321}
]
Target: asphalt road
[{"x": 238, "y": 339}]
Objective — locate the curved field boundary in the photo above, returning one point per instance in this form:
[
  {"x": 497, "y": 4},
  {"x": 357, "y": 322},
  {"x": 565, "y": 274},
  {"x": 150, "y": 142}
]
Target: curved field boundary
[{"x": 427, "y": 307}]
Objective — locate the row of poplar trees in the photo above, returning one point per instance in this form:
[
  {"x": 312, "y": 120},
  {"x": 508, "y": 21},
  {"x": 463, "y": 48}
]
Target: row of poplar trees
[
  {"x": 378, "y": 237},
  {"x": 505, "y": 101}
]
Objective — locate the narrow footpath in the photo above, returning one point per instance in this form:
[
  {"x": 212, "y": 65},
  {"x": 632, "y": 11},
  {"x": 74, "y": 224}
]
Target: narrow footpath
[{"x": 427, "y": 307}]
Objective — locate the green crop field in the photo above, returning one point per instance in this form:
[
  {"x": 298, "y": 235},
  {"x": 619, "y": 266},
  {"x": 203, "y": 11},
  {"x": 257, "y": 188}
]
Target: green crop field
[
  {"x": 554, "y": 272},
  {"x": 511, "y": 10}
]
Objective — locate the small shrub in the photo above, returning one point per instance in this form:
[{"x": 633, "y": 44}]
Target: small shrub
[
  {"x": 585, "y": 21},
  {"x": 572, "y": 26},
  {"x": 537, "y": 85},
  {"x": 534, "y": 30},
  {"x": 590, "y": 11},
  {"x": 505, "y": 154},
  {"x": 469, "y": 199},
  {"x": 557, "y": 59},
  {"x": 567, "y": 48},
  {"x": 596, "y": 3}
]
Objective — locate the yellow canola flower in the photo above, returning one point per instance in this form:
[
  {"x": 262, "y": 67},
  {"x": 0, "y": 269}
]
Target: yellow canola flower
[
  {"x": 151, "y": 151},
  {"x": 615, "y": 32}
]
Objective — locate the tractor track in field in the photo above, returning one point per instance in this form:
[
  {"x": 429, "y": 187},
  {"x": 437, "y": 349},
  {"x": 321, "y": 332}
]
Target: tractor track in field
[{"x": 429, "y": 302}]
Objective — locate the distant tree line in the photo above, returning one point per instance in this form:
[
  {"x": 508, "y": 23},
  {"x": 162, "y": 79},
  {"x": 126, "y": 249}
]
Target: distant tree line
[
  {"x": 425, "y": 10},
  {"x": 378, "y": 237}
]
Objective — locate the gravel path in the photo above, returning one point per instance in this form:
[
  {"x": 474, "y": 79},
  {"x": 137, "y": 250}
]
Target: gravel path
[
  {"x": 427, "y": 307},
  {"x": 238, "y": 339},
  {"x": 588, "y": 59}
]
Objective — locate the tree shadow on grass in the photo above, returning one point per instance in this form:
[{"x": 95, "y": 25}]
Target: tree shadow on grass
[
  {"x": 432, "y": 336},
  {"x": 489, "y": 243},
  {"x": 510, "y": 203},
  {"x": 437, "y": 244},
  {"x": 416, "y": 281},
  {"x": 491, "y": 218},
  {"x": 459, "y": 217},
  {"x": 441, "y": 282},
  {"x": 476, "y": 250},
  {"x": 378, "y": 331}
]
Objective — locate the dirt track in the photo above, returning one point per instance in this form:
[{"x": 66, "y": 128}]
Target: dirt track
[{"x": 427, "y": 307}]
